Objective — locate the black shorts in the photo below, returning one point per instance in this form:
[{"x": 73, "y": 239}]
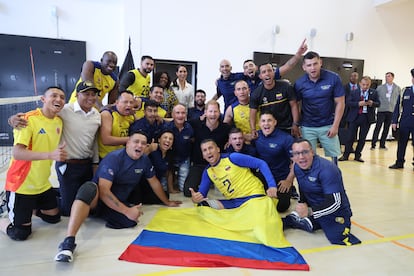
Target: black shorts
[{"x": 20, "y": 206}]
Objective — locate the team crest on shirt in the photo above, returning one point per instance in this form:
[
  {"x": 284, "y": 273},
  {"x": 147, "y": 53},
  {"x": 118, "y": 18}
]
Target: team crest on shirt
[
  {"x": 264, "y": 100},
  {"x": 312, "y": 178},
  {"x": 138, "y": 171},
  {"x": 279, "y": 96},
  {"x": 186, "y": 137},
  {"x": 110, "y": 171},
  {"x": 272, "y": 145},
  {"x": 325, "y": 87}
]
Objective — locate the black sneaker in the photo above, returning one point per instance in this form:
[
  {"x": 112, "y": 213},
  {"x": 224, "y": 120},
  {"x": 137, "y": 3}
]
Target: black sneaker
[
  {"x": 66, "y": 249},
  {"x": 293, "y": 220},
  {"x": 396, "y": 166}
]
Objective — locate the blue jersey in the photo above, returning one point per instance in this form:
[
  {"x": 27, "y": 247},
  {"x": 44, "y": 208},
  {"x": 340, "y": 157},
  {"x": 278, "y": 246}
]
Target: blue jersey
[
  {"x": 318, "y": 98},
  {"x": 322, "y": 179},
  {"x": 274, "y": 149},
  {"x": 124, "y": 172}
]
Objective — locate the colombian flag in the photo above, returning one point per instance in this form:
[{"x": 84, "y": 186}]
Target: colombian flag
[{"x": 250, "y": 236}]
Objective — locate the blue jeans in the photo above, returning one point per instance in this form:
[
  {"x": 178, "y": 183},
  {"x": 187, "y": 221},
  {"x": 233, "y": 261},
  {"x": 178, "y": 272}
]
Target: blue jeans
[{"x": 182, "y": 170}]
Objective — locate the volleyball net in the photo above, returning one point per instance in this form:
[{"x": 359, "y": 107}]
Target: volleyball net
[{"x": 8, "y": 107}]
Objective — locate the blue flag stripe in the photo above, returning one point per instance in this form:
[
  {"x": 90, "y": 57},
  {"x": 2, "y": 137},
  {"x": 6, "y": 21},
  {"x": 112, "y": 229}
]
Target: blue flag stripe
[{"x": 218, "y": 246}]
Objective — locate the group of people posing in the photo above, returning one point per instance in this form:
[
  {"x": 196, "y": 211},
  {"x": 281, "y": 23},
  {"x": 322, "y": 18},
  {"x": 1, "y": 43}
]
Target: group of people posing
[{"x": 154, "y": 140}]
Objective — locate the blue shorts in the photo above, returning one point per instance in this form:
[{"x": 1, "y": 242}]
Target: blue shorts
[
  {"x": 236, "y": 202},
  {"x": 331, "y": 146}
]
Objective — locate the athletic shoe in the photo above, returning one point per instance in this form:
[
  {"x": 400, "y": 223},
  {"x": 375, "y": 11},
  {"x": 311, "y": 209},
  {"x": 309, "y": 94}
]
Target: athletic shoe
[
  {"x": 294, "y": 221},
  {"x": 66, "y": 249}
]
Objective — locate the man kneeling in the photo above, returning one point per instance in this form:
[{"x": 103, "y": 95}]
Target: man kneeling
[
  {"x": 323, "y": 202},
  {"x": 117, "y": 176}
]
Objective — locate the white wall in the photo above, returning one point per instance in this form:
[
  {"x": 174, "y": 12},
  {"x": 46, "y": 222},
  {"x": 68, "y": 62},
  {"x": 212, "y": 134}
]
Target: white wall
[{"x": 207, "y": 31}]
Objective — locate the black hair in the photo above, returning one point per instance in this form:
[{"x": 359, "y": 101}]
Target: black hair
[
  {"x": 125, "y": 91},
  {"x": 139, "y": 132},
  {"x": 54, "y": 87},
  {"x": 151, "y": 103},
  {"x": 146, "y": 57},
  {"x": 301, "y": 140},
  {"x": 175, "y": 83},
  {"x": 311, "y": 55},
  {"x": 156, "y": 85},
  {"x": 248, "y": 60},
  {"x": 208, "y": 140},
  {"x": 200, "y": 91},
  {"x": 235, "y": 130},
  {"x": 391, "y": 73},
  {"x": 157, "y": 78},
  {"x": 268, "y": 112}
]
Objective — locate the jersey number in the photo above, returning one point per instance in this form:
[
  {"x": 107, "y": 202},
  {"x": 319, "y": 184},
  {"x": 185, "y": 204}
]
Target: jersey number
[{"x": 228, "y": 184}]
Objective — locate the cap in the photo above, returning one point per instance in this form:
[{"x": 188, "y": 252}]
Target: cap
[
  {"x": 412, "y": 72},
  {"x": 85, "y": 86}
]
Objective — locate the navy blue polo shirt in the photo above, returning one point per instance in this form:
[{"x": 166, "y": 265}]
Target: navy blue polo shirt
[
  {"x": 274, "y": 149},
  {"x": 144, "y": 125},
  {"x": 124, "y": 173},
  {"x": 318, "y": 98}
]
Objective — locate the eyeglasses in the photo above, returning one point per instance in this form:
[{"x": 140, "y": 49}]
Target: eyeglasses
[{"x": 298, "y": 153}]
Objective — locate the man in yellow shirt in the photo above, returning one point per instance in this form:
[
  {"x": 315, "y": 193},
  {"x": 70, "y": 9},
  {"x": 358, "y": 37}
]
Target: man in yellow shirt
[
  {"x": 138, "y": 80},
  {"x": 27, "y": 181},
  {"x": 102, "y": 75}
]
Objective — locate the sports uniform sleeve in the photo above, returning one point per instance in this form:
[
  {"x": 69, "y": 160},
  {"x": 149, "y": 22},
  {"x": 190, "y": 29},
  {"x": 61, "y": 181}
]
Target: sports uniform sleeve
[
  {"x": 251, "y": 162},
  {"x": 205, "y": 184},
  {"x": 277, "y": 74},
  {"x": 331, "y": 204},
  {"x": 107, "y": 169}
]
